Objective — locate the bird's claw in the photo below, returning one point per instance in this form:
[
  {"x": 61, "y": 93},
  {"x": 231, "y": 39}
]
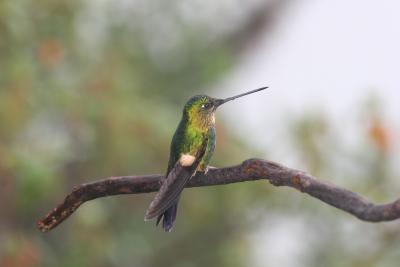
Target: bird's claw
[{"x": 203, "y": 169}]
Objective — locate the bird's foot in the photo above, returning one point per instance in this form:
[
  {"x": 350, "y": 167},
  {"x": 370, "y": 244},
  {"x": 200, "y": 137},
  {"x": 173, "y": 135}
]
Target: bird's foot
[{"x": 203, "y": 169}]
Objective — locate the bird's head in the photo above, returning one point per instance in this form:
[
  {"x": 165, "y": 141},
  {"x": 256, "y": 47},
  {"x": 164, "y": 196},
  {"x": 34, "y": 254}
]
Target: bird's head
[{"x": 200, "y": 109}]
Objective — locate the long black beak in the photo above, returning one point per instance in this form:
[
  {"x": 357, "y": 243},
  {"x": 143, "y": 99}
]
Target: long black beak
[{"x": 219, "y": 102}]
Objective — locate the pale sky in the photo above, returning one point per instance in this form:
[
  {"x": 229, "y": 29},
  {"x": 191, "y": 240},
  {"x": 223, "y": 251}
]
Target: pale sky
[{"x": 324, "y": 55}]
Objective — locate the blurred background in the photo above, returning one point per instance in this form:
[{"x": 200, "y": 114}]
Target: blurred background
[{"x": 95, "y": 88}]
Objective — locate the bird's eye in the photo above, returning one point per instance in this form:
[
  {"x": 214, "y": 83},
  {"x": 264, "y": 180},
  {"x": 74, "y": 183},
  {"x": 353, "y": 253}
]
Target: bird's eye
[{"x": 206, "y": 105}]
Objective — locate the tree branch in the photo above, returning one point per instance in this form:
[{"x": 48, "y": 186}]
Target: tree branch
[{"x": 249, "y": 170}]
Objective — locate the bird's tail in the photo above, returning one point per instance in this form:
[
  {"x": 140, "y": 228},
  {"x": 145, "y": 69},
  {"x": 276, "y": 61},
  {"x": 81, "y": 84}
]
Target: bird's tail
[{"x": 168, "y": 217}]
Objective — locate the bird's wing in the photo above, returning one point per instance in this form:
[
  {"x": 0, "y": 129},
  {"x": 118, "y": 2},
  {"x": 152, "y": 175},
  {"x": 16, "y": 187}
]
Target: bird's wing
[{"x": 175, "y": 182}]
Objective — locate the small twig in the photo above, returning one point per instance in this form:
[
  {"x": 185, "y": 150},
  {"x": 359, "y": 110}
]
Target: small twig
[{"x": 249, "y": 170}]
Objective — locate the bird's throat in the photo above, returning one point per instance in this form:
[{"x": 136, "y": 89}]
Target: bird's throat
[{"x": 202, "y": 123}]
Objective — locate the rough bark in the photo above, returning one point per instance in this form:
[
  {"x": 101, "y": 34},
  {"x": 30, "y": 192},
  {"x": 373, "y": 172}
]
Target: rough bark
[{"x": 249, "y": 170}]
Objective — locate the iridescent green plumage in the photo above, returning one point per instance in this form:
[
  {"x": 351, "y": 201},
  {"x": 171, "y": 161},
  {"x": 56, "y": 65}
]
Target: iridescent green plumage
[
  {"x": 192, "y": 147},
  {"x": 197, "y": 125}
]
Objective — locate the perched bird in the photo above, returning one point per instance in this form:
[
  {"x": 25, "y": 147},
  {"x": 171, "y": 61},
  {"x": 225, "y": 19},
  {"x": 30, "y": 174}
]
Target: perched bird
[{"x": 191, "y": 149}]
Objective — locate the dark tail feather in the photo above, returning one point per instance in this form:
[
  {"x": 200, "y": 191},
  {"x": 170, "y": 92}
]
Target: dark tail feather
[{"x": 169, "y": 217}]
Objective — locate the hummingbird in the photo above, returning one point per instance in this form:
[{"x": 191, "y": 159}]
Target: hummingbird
[{"x": 192, "y": 147}]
